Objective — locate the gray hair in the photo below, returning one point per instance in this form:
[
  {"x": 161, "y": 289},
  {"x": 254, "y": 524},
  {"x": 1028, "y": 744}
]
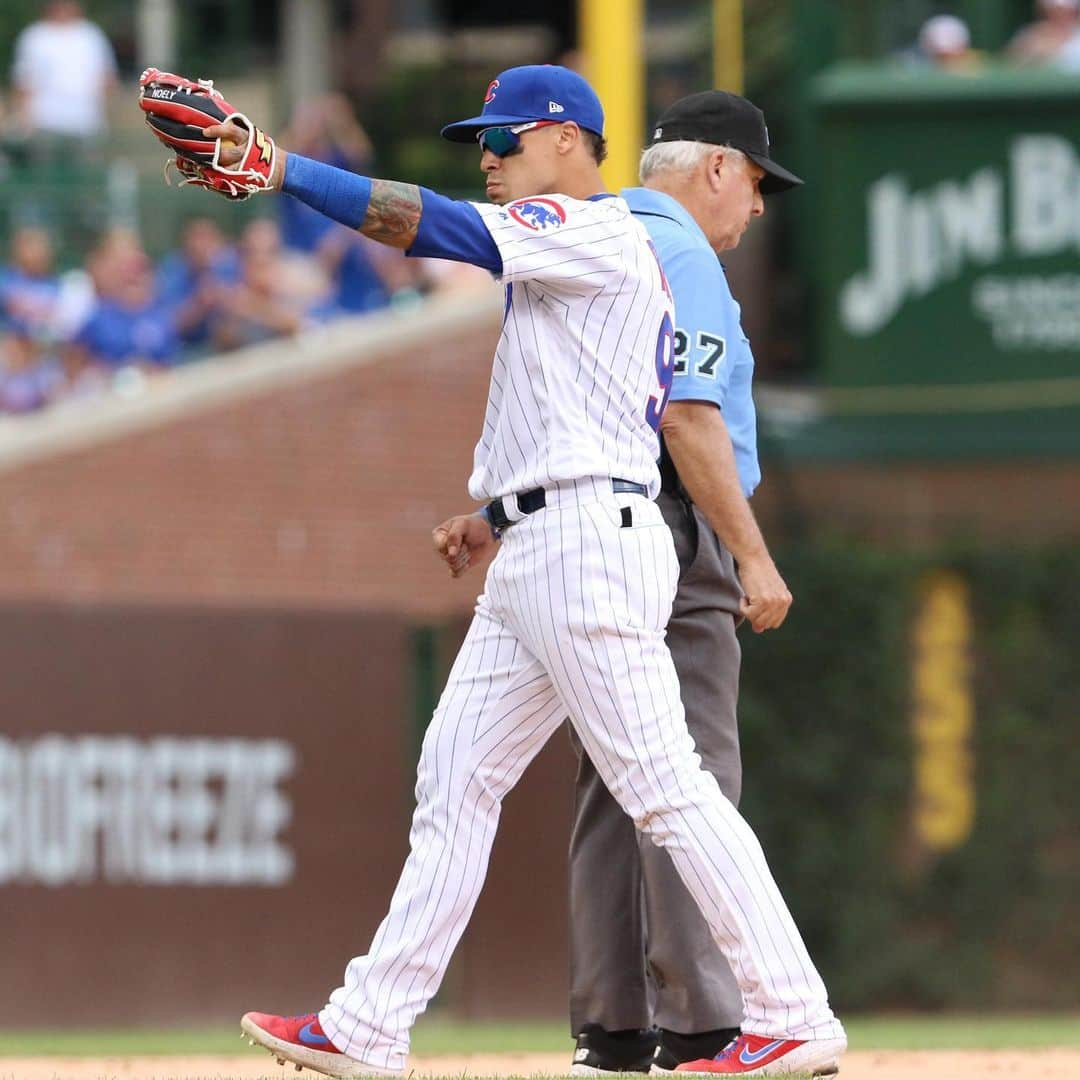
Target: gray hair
[{"x": 680, "y": 155}]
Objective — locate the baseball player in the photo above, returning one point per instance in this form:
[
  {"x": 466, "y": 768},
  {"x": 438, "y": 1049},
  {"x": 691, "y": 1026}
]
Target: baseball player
[
  {"x": 571, "y": 620},
  {"x": 649, "y": 989}
]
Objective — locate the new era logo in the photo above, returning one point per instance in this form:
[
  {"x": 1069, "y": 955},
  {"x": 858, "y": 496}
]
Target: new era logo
[{"x": 554, "y": 106}]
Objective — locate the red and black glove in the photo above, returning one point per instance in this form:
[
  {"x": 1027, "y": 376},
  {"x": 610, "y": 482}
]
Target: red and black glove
[{"x": 177, "y": 110}]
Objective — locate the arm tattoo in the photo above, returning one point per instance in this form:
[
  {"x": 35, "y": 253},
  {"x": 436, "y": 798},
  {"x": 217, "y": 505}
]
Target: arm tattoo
[{"x": 393, "y": 214}]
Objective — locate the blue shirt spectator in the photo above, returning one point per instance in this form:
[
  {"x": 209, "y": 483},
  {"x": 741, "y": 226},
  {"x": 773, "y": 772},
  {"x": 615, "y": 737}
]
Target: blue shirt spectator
[
  {"x": 27, "y": 303},
  {"x": 28, "y": 389},
  {"x": 29, "y": 290},
  {"x": 190, "y": 280},
  {"x": 119, "y": 333},
  {"x": 178, "y": 280},
  {"x": 323, "y": 128},
  {"x": 129, "y": 324},
  {"x": 713, "y": 359},
  {"x": 303, "y": 228},
  {"x": 359, "y": 285},
  {"x": 30, "y": 370},
  {"x": 279, "y": 292}
]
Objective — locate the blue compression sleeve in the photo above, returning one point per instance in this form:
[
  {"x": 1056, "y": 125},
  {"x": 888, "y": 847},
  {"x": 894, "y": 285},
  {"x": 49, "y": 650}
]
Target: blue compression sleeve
[
  {"x": 454, "y": 230},
  {"x": 341, "y": 195},
  {"x": 447, "y": 230}
]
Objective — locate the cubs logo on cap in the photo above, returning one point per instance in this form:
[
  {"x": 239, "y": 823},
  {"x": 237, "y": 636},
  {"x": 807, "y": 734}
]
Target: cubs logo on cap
[{"x": 532, "y": 92}]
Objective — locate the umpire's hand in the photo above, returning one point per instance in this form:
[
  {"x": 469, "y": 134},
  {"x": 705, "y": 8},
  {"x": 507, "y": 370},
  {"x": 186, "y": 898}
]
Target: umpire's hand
[
  {"x": 766, "y": 597},
  {"x": 463, "y": 541}
]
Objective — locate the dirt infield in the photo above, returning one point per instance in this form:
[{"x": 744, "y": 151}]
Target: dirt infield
[{"x": 1060, "y": 1064}]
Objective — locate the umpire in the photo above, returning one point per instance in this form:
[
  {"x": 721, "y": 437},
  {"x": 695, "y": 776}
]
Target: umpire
[{"x": 648, "y": 986}]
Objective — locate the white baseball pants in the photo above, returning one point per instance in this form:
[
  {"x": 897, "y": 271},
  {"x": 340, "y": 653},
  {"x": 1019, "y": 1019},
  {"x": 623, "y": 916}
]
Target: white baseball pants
[{"x": 572, "y": 622}]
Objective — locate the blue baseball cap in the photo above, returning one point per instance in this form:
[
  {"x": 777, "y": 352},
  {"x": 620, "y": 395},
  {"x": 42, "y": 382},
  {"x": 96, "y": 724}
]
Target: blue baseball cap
[{"x": 533, "y": 92}]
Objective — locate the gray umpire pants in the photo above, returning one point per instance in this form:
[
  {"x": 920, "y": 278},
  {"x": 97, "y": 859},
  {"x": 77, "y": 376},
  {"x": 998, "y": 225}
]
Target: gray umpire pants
[{"x": 640, "y": 952}]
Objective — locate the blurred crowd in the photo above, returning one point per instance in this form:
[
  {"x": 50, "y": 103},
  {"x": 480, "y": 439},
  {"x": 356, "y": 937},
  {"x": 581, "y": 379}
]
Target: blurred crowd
[
  {"x": 1051, "y": 40},
  {"x": 120, "y": 319}
]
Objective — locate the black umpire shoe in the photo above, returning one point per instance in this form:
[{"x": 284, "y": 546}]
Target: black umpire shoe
[
  {"x": 675, "y": 1049},
  {"x": 599, "y": 1052}
]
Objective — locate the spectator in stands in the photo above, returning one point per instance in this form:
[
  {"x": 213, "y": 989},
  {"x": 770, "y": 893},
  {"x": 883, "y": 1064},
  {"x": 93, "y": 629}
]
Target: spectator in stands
[
  {"x": 945, "y": 43},
  {"x": 352, "y": 262},
  {"x": 323, "y": 128},
  {"x": 30, "y": 296},
  {"x": 28, "y": 287},
  {"x": 192, "y": 281},
  {"x": 301, "y": 273},
  {"x": 1050, "y": 40},
  {"x": 63, "y": 72},
  {"x": 279, "y": 292},
  {"x": 366, "y": 274},
  {"x": 129, "y": 325}
]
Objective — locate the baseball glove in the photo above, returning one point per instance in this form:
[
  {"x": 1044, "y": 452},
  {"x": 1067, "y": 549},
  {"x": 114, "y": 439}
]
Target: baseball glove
[{"x": 177, "y": 110}]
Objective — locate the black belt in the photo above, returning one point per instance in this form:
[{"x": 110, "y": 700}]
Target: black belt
[{"x": 528, "y": 502}]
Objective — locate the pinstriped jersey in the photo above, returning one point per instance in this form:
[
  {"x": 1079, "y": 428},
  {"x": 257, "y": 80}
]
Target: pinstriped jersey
[{"x": 584, "y": 361}]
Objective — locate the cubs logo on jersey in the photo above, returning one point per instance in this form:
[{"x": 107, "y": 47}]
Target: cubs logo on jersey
[{"x": 539, "y": 215}]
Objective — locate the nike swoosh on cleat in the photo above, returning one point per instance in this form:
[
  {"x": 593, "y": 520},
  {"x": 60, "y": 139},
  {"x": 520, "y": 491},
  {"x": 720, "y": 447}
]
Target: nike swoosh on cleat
[
  {"x": 306, "y": 1035},
  {"x": 752, "y": 1057}
]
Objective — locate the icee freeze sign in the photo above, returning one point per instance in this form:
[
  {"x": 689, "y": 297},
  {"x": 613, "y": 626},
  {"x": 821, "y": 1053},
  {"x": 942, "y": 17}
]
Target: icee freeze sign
[
  {"x": 920, "y": 240},
  {"x": 76, "y": 810}
]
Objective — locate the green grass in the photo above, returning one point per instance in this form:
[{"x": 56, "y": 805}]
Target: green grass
[
  {"x": 441, "y": 1035},
  {"x": 986, "y": 1032}
]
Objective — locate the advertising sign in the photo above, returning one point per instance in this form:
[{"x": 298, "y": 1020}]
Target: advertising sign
[{"x": 947, "y": 256}]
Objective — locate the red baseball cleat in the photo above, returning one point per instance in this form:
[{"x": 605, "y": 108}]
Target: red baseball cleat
[
  {"x": 301, "y": 1041},
  {"x": 758, "y": 1055}
]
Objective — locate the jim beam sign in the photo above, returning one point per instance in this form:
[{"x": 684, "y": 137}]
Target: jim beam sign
[{"x": 920, "y": 240}]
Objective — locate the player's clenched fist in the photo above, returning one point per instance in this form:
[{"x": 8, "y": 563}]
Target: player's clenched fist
[
  {"x": 463, "y": 541},
  {"x": 766, "y": 597}
]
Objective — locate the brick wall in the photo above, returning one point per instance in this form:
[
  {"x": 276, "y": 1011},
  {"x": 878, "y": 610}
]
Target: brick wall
[{"x": 319, "y": 492}]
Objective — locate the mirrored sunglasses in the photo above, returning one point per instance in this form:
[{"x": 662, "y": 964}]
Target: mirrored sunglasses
[{"x": 504, "y": 141}]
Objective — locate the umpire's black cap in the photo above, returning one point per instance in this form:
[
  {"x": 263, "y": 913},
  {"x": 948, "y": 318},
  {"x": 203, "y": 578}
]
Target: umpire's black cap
[{"x": 723, "y": 119}]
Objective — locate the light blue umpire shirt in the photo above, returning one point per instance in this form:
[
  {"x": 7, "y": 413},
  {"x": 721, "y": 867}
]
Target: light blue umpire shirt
[{"x": 713, "y": 360}]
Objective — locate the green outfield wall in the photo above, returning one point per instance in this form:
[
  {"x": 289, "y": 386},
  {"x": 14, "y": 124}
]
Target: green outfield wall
[{"x": 923, "y": 822}]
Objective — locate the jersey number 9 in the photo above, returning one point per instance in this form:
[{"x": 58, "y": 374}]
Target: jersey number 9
[{"x": 665, "y": 371}]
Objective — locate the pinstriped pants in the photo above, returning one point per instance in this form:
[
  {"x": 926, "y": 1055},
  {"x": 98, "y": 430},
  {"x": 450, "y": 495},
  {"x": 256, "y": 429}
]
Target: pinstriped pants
[
  {"x": 640, "y": 952},
  {"x": 571, "y": 622}
]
